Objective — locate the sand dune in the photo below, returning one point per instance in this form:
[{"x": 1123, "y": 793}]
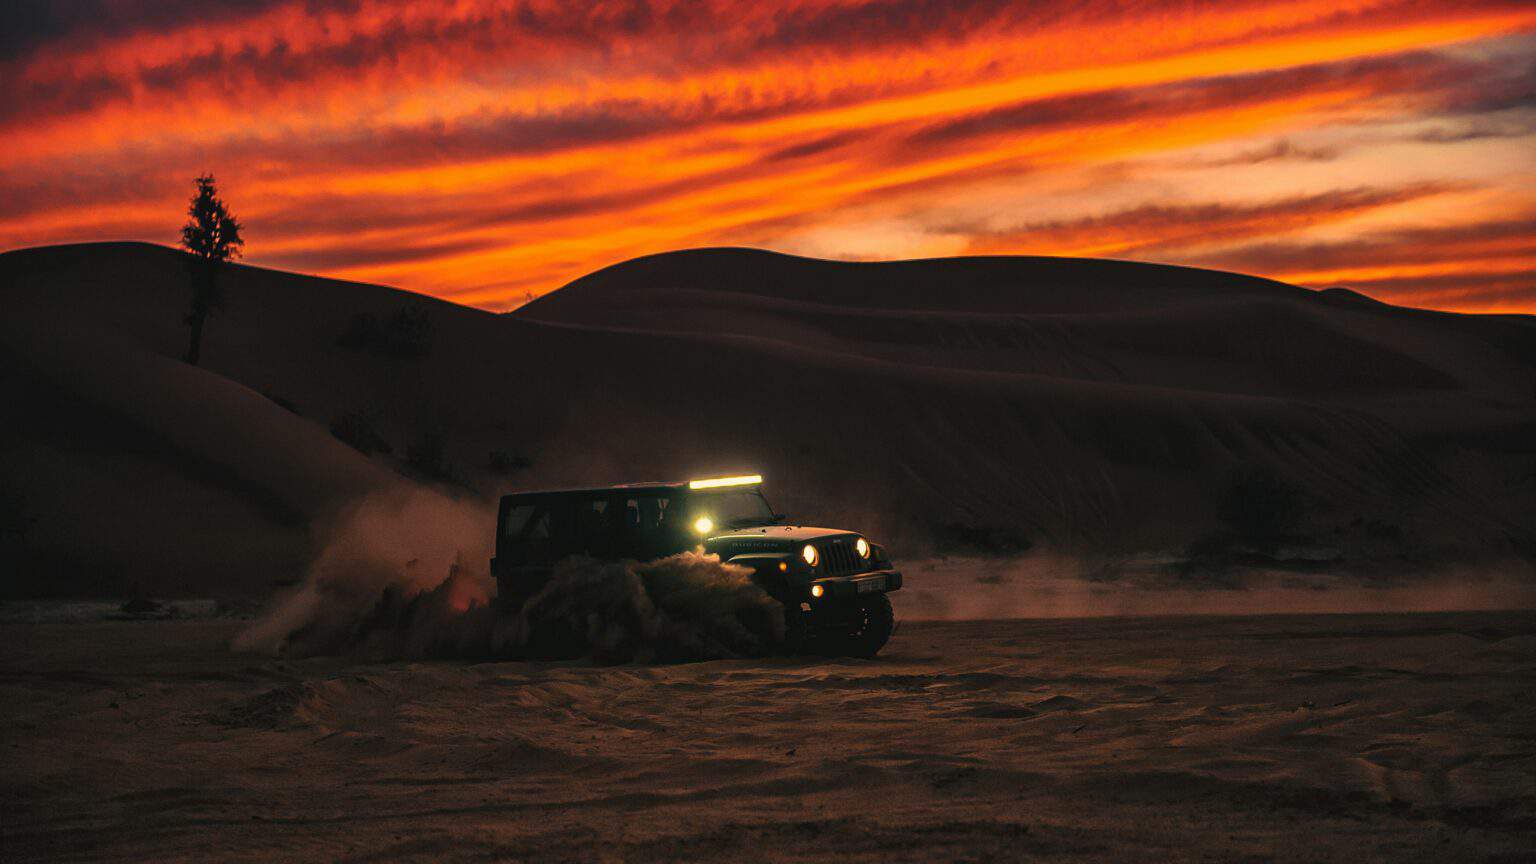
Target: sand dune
[{"x": 971, "y": 405}]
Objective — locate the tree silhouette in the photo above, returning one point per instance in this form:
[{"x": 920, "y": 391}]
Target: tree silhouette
[{"x": 212, "y": 235}]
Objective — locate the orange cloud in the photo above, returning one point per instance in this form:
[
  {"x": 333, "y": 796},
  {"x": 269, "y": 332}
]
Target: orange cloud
[{"x": 486, "y": 150}]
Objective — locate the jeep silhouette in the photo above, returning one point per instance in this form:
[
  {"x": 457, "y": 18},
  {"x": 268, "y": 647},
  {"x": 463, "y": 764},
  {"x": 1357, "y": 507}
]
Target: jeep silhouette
[{"x": 832, "y": 583}]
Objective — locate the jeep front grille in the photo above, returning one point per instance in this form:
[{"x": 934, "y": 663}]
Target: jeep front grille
[{"x": 838, "y": 557}]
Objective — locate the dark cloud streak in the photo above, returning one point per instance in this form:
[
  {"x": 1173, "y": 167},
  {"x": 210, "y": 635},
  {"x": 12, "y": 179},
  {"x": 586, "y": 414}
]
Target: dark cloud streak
[
  {"x": 1282, "y": 150},
  {"x": 28, "y": 26},
  {"x": 1405, "y": 246},
  {"x": 1411, "y": 73},
  {"x": 1160, "y": 227}
]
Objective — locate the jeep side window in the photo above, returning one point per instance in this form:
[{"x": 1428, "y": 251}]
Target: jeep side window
[
  {"x": 654, "y": 538},
  {"x": 539, "y": 529},
  {"x": 653, "y": 514},
  {"x": 552, "y": 533},
  {"x": 527, "y": 532},
  {"x": 516, "y": 520},
  {"x": 624, "y": 516},
  {"x": 562, "y": 522},
  {"x": 589, "y": 522}
]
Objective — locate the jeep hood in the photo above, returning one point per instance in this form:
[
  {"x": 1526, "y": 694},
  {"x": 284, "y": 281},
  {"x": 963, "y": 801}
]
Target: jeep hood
[{"x": 785, "y": 533}]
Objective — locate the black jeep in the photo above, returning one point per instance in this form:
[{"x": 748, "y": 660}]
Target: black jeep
[{"x": 832, "y": 583}]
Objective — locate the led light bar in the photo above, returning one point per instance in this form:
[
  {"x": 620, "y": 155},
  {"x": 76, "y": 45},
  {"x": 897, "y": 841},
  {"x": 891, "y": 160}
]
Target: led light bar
[{"x": 717, "y": 482}]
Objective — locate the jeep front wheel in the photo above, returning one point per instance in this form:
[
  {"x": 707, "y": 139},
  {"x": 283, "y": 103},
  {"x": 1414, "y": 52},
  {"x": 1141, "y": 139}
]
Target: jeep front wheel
[{"x": 870, "y": 627}]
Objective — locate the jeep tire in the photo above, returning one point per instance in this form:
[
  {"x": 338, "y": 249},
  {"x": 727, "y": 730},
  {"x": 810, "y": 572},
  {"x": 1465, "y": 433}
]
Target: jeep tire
[{"x": 869, "y": 627}]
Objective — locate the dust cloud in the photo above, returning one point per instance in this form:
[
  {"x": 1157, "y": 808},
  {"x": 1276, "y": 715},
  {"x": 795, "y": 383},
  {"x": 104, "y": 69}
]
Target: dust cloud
[
  {"x": 1047, "y": 584},
  {"x": 403, "y": 576}
]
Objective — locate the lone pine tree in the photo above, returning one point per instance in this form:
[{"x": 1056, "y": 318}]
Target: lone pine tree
[{"x": 212, "y": 235}]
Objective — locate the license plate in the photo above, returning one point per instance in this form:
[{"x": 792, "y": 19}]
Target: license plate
[{"x": 868, "y": 585}]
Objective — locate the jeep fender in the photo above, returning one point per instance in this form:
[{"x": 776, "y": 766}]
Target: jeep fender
[{"x": 766, "y": 571}]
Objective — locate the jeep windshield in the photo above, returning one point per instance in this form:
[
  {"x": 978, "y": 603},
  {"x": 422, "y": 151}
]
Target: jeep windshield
[{"x": 736, "y": 508}]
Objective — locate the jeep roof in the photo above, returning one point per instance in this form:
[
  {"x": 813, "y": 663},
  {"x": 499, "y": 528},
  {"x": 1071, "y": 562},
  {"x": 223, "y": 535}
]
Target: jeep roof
[{"x": 704, "y": 484}]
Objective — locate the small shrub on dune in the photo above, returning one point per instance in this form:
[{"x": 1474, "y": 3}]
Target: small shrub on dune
[
  {"x": 505, "y": 462},
  {"x": 406, "y": 333},
  {"x": 1259, "y": 504}
]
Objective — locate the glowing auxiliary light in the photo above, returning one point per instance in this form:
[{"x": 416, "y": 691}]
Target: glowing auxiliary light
[
  {"x": 817, "y": 590},
  {"x": 717, "y": 482},
  {"x": 704, "y": 525}
]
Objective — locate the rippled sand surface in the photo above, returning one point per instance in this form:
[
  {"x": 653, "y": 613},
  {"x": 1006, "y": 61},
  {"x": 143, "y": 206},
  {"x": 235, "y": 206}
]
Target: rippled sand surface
[{"x": 1398, "y": 737}]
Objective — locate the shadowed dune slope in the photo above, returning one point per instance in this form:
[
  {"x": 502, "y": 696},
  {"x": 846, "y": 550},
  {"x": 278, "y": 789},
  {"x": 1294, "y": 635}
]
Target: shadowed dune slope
[
  {"x": 1088, "y": 405},
  {"x": 1118, "y": 321},
  {"x": 1107, "y": 390}
]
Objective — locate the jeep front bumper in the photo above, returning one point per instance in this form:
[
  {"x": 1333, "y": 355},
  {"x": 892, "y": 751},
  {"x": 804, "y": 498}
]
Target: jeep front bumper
[{"x": 855, "y": 585}]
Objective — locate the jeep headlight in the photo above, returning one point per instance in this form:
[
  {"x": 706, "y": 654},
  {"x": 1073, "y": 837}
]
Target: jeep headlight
[
  {"x": 862, "y": 546},
  {"x": 703, "y": 524},
  {"x": 809, "y": 554}
]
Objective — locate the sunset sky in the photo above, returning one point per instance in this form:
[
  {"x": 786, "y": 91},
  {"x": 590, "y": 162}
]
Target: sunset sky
[{"x": 485, "y": 152}]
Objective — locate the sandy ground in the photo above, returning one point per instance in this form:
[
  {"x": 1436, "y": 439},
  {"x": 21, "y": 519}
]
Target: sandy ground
[{"x": 1319, "y": 738}]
